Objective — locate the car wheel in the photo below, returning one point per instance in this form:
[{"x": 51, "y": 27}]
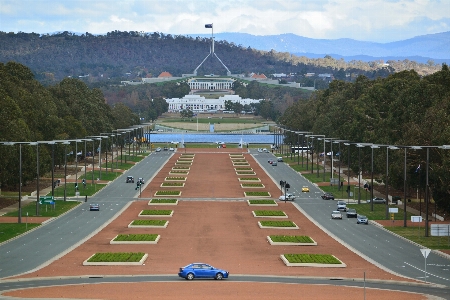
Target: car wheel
[
  {"x": 190, "y": 276},
  {"x": 219, "y": 276}
]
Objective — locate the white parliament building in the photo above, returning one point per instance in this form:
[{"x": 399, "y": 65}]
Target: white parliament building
[{"x": 198, "y": 103}]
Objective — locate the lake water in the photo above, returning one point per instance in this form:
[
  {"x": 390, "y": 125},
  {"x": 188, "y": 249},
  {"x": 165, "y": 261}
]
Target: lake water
[{"x": 210, "y": 138}]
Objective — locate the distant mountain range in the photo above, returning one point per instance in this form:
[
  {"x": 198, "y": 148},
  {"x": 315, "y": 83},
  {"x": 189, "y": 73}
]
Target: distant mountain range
[{"x": 422, "y": 48}]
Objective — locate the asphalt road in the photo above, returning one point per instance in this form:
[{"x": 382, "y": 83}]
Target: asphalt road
[{"x": 370, "y": 241}]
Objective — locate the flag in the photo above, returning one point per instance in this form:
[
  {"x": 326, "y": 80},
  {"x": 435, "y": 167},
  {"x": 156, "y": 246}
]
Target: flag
[
  {"x": 208, "y": 25},
  {"x": 418, "y": 169}
]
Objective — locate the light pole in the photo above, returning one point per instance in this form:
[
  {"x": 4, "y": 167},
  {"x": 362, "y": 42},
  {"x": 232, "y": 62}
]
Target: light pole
[
  {"x": 312, "y": 157},
  {"x": 359, "y": 171},
  {"x": 302, "y": 133},
  {"x": 339, "y": 172},
  {"x": 348, "y": 170},
  {"x": 65, "y": 166},
  {"x": 371, "y": 178},
  {"x": 387, "y": 178}
]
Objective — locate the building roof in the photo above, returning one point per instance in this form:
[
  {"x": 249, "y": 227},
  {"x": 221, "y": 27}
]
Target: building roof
[
  {"x": 165, "y": 74},
  {"x": 259, "y": 76}
]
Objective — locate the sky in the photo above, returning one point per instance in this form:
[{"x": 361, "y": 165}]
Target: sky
[{"x": 365, "y": 20}]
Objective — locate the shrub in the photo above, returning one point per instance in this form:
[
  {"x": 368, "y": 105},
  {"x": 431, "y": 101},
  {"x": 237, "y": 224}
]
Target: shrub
[
  {"x": 173, "y": 184},
  {"x": 149, "y": 222},
  {"x": 271, "y": 213},
  {"x": 168, "y": 193},
  {"x": 136, "y": 237},
  {"x": 146, "y": 212},
  {"x": 163, "y": 201},
  {"x": 252, "y": 185},
  {"x": 278, "y": 223},
  {"x": 249, "y": 178},
  {"x": 261, "y": 201},
  {"x": 253, "y": 194},
  {"x": 117, "y": 257},
  {"x": 291, "y": 239},
  {"x": 312, "y": 258}
]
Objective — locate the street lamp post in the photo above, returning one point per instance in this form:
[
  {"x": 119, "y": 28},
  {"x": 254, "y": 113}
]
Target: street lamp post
[
  {"x": 312, "y": 157},
  {"x": 348, "y": 170},
  {"x": 387, "y": 178},
  {"x": 65, "y": 166},
  {"x": 371, "y": 178},
  {"x": 359, "y": 171},
  {"x": 339, "y": 172}
]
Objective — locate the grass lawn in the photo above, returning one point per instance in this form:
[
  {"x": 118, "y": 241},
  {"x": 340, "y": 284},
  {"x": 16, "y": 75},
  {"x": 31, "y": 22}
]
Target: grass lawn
[
  {"x": 417, "y": 234},
  {"x": 45, "y": 210},
  {"x": 291, "y": 239},
  {"x": 379, "y": 211},
  {"x": 105, "y": 176},
  {"x": 136, "y": 237},
  {"x": 312, "y": 258},
  {"x": 263, "y": 202},
  {"x": 70, "y": 190},
  {"x": 117, "y": 257},
  {"x": 11, "y": 230}
]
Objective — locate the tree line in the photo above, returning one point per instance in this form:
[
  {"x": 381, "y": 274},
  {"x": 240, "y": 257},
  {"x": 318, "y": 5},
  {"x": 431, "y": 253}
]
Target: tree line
[{"x": 404, "y": 109}]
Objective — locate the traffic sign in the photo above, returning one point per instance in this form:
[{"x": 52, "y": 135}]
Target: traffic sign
[
  {"x": 45, "y": 199},
  {"x": 425, "y": 252}
]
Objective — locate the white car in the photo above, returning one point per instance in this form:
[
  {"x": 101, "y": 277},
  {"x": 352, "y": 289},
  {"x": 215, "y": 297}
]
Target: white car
[
  {"x": 171, "y": 149},
  {"x": 259, "y": 150},
  {"x": 336, "y": 215},
  {"x": 287, "y": 197},
  {"x": 341, "y": 205}
]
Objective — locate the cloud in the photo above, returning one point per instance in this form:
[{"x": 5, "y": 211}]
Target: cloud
[{"x": 375, "y": 20}]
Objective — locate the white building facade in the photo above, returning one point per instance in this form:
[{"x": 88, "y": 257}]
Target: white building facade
[{"x": 197, "y": 103}]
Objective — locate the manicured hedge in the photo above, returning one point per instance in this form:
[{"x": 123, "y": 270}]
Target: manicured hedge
[
  {"x": 168, "y": 193},
  {"x": 291, "y": 239},
  {"x": 117, "y": 257},
  {"x": 163, "y": 201},
  {"x": 242, "y": 168},
  {"x": 135, "y": 237},
  {"x": 245, "y": 173},
  {"x": 278, "y": 223},
  {"x": 179, "y": 172},
  {"x": 173, "y": 184},
  {"x": 175, "y": 178},
  {"x": 156, "y": 212},
  {"x": 256, "y": 194},
  {"x": 262, "y": 202},
  {"x": 180, "y": 168},
  {"x": 249, "y": 178},
  {"x": 149, "y": 222},
  {"x": 312, "y": 258},
  {"x": 252, "y": 185},
  {"x": 271, "y": 213}
]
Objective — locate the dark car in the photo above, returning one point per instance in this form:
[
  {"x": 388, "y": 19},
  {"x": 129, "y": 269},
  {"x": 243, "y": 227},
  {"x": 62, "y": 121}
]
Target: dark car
[
  {"x": 377, "y": 200},
  {"x": 166, "y": 149},
  {"x": 360, "y": 219},
  {"x": 351, "y": 213},
  {"x": 130, "y": 179},
  {"x": 94, "y": 207},
  {"x": 201, "y": 270},
  {"x": 328, "y": 196}
]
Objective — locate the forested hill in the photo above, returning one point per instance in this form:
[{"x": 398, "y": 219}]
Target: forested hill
[{"x": 119, "y": 55}]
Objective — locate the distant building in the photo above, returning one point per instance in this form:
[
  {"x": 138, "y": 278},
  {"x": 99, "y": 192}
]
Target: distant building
[
  {"x": 210, "y": 83},
  {"x": 197, "y": 103},
  {"x": 165, "y": 75},
  {"x": 279, "y": 75},
  {"x": 310, "y": 74},
  {"x": 259, "y": 76}
]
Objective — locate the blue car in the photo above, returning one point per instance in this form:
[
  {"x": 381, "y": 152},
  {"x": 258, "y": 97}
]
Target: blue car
[{"x": 201, "y": 270}]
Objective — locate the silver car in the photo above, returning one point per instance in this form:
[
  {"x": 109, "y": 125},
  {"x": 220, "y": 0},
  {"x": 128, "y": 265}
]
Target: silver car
[
  {"x": 360, "y": 219},
  {"x": 336, "y": 215},
  {"x": 377, "y": 200}
]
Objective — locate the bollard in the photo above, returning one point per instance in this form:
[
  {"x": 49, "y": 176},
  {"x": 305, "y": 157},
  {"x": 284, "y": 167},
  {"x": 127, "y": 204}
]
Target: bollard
[{"x": 85, "y": 198}]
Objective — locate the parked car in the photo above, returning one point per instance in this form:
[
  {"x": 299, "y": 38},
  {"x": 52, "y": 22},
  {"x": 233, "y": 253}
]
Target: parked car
[
  {"x": 288, "y": 197},
  {"x": 341, "y": 205},
  {"x": 360, "y": 219},
  {"x": 351, "y": 213},
  {"x": 158, "y": 149},
  {"x": 328, "y": 196},
  {"x": 201, "y": 270},
  {"x": 305, "y": 189},
  {"x": 336, "y": 214},
  {"x": 130, "y": 179},
  {"x": 94, "y": 207},
  {"x": 377, "y": 200}
]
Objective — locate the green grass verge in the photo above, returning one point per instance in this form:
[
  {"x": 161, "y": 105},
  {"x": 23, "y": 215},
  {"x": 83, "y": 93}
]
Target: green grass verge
[
  {"x": 136, "y": 237},
  {"x": 256, "y": 194},
  {"x": 176, "y": 178},
  {"x": 163, "y": 201},
  {"x": 262, "y": 201},
  {"x": 379, "y": 211},
  {"x": 243, "y": 168},
  {"x": 168, "y": 193},
  {"x": 11, "y": 230},
  {"x": 269, "y": 213},
  {"x": 417, "y": 235},
  {"x": 117, "y": 257},
  {"x": 249, "y": 178},
  {"x": 277, "y": 223},
  {"x": 311, "y": 258},
  {"x": 165, "y": 212},
  {"x": 45, "y": 210},
  {"x": 89, "y": 190},
  {"x": 180, "y": 168},
  {"x": 291, "y": 239},
  {"x": 245, "y": 173},
  {"x": 149, "y": 222}
]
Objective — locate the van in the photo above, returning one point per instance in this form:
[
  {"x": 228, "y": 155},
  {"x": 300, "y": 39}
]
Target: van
[{"x": 279, "y": 159}]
